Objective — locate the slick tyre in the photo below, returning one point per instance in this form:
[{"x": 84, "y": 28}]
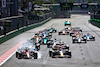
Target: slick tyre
[
  {"x": 80, "y": 30},
  {"x": 85, "y": 41},
  {"x": 53, "y": 54},
  {"x": 38, "y": 47},
  {"x": 70, "y": 34},
  {"x": 48, "y": 45},
  {"x": 50, "y": 53},
  {"x": 55, "y": 31},
  {"x": 69, "y": 53},
  {"x": 20, "y": 56},
  {"x": 35, "y": 55},
  {"x": 17, "y": 54}
]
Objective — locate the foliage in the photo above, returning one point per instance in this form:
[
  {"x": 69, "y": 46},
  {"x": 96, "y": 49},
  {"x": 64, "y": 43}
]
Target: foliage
[{"x": 41, "y": 12}]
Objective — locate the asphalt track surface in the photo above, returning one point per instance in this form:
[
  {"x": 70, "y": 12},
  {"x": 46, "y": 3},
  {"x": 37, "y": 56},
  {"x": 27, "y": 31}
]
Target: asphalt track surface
[{"x": 83, "y": 55}]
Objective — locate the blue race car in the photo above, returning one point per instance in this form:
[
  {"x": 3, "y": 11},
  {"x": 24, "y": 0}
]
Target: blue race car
[{"x": 90, "y": 37}]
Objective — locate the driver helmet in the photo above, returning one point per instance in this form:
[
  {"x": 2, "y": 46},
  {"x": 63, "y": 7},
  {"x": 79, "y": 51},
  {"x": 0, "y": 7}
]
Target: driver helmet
[{"x": 66, "y": 20}]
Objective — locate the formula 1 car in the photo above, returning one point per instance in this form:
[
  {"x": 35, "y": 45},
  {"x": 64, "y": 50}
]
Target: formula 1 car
[
  {"x": 50, "y": 43},
  {"x": 63, "y": 32},
  {"x": 68, "y": 28},
  {"x": 60, "y": 50},
  {"x": 51, "y": 30},
  {"x": 60, "y": 43},
  {"x": 44, "y": 40},
  {"x": 47, "y": 34},
  {"x": 27, "y": 50},
  {"x": 37, "y": 38},
  {"x": 90, "y": 37},
  {"x": 77, "y": 34},
  {"x": 79, "y": 39},
  {"x": 75, "y": 30},
  {"x": 67, "y": 23}
]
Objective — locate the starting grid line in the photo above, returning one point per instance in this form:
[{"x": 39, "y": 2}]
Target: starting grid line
[{"x": 9, "y": 53}]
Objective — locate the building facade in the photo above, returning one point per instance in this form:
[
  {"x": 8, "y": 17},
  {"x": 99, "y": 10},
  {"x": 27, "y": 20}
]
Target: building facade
[{"x": 11, "y": 8}]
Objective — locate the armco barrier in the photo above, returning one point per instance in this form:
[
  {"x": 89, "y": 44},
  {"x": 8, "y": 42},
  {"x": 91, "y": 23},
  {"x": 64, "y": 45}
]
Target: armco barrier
[{"x": 26, "y": 28}]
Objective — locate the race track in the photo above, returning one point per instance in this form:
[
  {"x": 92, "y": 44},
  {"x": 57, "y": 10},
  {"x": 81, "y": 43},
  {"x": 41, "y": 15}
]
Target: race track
[{"x": 83, "y": 55}]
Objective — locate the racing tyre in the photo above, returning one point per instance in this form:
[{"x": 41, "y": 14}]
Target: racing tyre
[
  {"x": 48, "y": 45},
  {"x": 53, "y": 54},
  {"x": 85, "y": 41},
  {"x": 80, "y": 30},
  {"x": 20, "y": 56},
  {"x": 50, "y": 53},
  {"x": 69, "y": 57},
  {"x": 17, "y": 54},
  {"x": 55, "y": 31},
  {"x": 70, "y": 34},
  {"x": 69, "y": 53},
  {"x": 67, "y": 47},
  {"x": 39, "y": 47},
  {"x": 94, "y": 38},
  {"x": 35, "y": 55}
]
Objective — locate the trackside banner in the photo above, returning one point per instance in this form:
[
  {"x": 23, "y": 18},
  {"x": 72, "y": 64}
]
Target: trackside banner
[{"x": 3, "y": 3}]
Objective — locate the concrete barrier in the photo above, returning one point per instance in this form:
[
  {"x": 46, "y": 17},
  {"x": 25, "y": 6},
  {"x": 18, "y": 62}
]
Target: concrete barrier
[{"x": 21, "y": 30}]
